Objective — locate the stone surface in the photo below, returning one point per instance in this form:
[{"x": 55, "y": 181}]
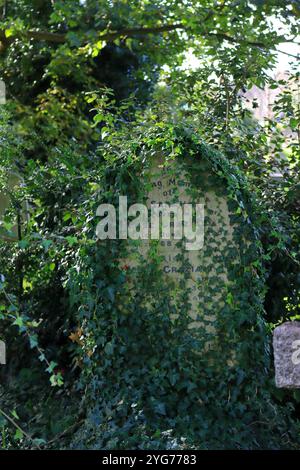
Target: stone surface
[
  {"x": 2, "y": 353},
  {"x": 286, "y": 343},
  {"x": 204, "y": 271},
  {"x": 169, "y": 187}
]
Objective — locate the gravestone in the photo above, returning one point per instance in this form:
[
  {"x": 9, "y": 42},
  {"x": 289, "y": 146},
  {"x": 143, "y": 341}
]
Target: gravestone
[
  {"x": 2, "y": 353},
  {"x": 204, "y": 270},
  {"x": 286, "y": 344}
]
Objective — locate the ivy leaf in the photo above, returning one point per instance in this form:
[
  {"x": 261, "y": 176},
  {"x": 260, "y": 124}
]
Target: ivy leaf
[
  {"x": 229, "y": 298},
  {"x": 33, "y": 340},
  {"x": 3, "y": 420},
  {"x": 23, "y": 244},
  {"x": 51, "y": 367},
  {"x": 73, "y": 39},
  {"x": 46, "y": 244},
  {"x": 72, "y": 240},
  {"x": 19, "y": 322},
  {"x": 14, "y": 414},
  {"x": 109, "y": 348},
  {"x": 9, "y": 32},
  {"x": 52, "y": 266},
  {"x": 111, "y": 293},
  {"x": 160, "y": 408},
  {"x": 18, "y": 435}
]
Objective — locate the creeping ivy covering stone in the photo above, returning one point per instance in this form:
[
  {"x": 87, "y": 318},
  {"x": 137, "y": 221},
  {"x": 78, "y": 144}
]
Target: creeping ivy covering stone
[{"x": 147, "y": 370}]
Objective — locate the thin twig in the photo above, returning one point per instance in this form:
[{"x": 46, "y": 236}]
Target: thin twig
[
  {"x": 66, "y": 431},
  {"x": 12, "y": 421}
]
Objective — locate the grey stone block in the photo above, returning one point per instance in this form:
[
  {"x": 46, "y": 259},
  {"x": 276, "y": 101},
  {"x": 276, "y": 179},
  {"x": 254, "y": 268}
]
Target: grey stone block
[{"x": 286, "y": 343}]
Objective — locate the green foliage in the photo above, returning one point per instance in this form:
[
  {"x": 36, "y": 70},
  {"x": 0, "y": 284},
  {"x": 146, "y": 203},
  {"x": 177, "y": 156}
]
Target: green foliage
[
  {"x": 146, "y": 372},
  {"x": 125, "y": 373},
  {"x": 52, "y": 52},
  {"x": 143, "y": 375},
  {"x": 261, "y": 150}
]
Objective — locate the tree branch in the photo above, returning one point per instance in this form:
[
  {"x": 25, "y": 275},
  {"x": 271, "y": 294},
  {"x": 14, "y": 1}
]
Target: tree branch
[
  {"x": 142, "y": 31},
  {"x": 61, "y": 38},
  {"x": 225, "y": 36},
  {"x": 36, "y": 35},
  {"x": 288, "y": 53}
]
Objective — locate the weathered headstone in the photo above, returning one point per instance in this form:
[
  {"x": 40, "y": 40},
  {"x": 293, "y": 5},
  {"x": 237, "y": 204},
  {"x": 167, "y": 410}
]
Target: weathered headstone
[
  {"x": 173, "y": 184},
  {"x": 286, "y": 343},
  {"x": 2, "y": 353},
  {"x": 203, "y": 270}
]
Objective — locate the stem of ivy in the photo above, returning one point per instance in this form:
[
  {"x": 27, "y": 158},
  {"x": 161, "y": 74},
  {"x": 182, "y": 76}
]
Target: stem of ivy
[{"x": 13, "y": 422}]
